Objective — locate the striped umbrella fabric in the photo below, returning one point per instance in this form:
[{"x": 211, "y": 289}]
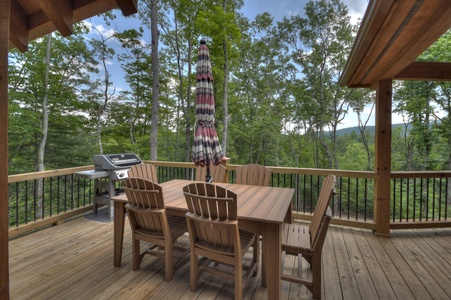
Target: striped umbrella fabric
[{"x": 206, "y": 149}]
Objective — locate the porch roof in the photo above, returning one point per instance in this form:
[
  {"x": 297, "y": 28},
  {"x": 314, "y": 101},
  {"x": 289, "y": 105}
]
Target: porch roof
[
  {"x": 391, "y": 37},
  {"x": 32, "y": 19}
]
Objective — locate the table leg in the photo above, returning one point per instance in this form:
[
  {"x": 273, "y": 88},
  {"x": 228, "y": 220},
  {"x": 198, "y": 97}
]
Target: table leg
[
  {"x": 271, "y": 253},
  {"x": 119, "y": 217}
]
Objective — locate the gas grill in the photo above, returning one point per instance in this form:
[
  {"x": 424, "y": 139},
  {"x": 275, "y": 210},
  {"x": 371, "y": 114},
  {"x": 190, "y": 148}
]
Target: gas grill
[
  {"x": 116, "y": 164},
  {"x": 109, "y": 168}
]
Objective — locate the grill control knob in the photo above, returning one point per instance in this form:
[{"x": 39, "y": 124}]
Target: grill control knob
[{"x": 121, "y": 175}]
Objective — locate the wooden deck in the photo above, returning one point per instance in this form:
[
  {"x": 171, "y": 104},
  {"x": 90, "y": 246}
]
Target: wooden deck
[{"x": 75, "y": 261}]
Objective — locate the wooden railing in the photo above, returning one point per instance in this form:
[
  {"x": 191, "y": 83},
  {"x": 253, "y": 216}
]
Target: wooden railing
[
  {"x": 44, "y": 198},
  {"x": 419, "y": 199}
]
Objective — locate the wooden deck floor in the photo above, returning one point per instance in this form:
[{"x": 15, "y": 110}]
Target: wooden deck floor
[{"x": 75, "y": 261}]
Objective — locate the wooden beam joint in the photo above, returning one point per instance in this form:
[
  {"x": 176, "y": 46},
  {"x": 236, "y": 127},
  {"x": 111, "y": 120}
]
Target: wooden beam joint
[
  {"x": 128, "y": 7},
  {"x": 434, "y": 71},
  {"x": 60, "y": 13}
]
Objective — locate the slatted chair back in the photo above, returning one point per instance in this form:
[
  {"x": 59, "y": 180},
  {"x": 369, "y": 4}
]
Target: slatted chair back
[
  {"x": 144, "y": 170},
  {"x": 253, "y": 175},
  {"x": 218, "y": 173},
  {"x": 326, "y": 193},
  {"x": 146, "y": 206},
  {"x": 214, "y": 234},
  {"x": 212, "y": 216}
]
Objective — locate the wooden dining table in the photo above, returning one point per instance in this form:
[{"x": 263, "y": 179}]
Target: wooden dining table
[{"x": 261, "y": 210}]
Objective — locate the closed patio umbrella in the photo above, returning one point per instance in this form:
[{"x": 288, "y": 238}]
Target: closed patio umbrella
[{"x": 206, "y": 149}]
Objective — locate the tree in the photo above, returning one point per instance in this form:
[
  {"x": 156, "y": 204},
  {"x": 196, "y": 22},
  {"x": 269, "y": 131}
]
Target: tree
[
  {"x": 56, "y": 91},
  {"x": 103, "y": 52},
  {"x": 180, "y": 37},
  {"x": 149, "y": 12},
  {"x": 258, "y": 89},
  {"x": 219, "y": 23},
  {"x": 319, "y": 45},
  {"x": 135, "y": 63}
]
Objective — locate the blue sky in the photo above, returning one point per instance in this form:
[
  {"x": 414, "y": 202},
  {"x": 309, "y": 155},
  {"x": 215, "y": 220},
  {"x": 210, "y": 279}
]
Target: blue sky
[
  {"x": 285, "y": 8},
  {"x": 278, "y": 9}
]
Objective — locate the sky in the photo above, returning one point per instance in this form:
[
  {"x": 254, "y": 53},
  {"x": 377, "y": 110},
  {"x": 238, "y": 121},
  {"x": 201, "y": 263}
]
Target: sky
[
  {"x": 278, "y": 9},
  {"x": 286, "y": 8}
]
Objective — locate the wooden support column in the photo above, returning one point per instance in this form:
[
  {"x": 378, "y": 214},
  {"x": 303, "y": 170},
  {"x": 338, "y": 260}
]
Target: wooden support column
[
  {"x": 5, "y": 7},
  {"x": 383, "y": 134}
]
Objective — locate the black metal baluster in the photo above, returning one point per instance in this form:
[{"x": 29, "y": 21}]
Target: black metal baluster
[
  {"x": 17, "y": 204},
  {"x": 51, "y": 197},
  {"x": 26, "y": 202}
]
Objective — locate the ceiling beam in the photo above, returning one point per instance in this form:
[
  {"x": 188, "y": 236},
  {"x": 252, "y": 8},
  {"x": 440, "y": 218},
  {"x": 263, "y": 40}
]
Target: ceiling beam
[
  {"x": 18, "y": 31},
  {"x": 426, "y": 26},
  {"x": 60, "y": 14},
  {"x": 128, "y": 7},
  {"x": 434, "y": 71}
]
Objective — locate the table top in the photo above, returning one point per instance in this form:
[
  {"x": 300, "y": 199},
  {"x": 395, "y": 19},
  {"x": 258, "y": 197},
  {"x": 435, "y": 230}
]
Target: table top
[{"x": 259, "y": 203}]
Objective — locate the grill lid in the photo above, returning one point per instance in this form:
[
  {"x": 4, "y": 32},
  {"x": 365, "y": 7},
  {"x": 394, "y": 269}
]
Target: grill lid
[{"x": 115, "y": 161}]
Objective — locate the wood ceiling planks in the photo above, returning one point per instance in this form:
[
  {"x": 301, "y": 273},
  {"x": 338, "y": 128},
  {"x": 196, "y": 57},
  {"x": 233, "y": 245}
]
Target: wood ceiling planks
[
  {"x": 31, "y": 19},
  {"x": 392, "y": 35}
]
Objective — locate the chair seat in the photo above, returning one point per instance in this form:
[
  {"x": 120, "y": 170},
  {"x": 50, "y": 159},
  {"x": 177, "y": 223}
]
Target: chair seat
[
  {"x": 177, "y": 226},
  {"x": 296, "y": 239},
  {"x": 246, "y": 239}
]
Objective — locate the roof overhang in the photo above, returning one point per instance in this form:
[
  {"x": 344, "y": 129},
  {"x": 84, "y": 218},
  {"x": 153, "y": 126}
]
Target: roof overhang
[
  {"x": 392, "y": 35},
  {"x": 31, "y": 19}
]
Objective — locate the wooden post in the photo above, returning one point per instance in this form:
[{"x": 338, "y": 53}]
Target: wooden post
[
  {"x": 383, "y": 156},
  {"x": 225, "y": 161},
  {"x": 5, "y": 7}
]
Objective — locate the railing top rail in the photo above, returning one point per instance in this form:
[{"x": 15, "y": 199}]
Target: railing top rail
[
  {"x": 232, "y": 167},
  {"x": 420, "y": 174},
  {"x": 282, "y": 170},
  {"x": 46, "y": 174}
]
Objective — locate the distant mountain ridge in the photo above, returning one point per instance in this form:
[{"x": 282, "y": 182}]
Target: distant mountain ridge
[{"x": 369, "y": 129}]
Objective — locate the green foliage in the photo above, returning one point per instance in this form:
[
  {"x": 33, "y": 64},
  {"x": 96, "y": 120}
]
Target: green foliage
[{"x": 284, "y": 102}]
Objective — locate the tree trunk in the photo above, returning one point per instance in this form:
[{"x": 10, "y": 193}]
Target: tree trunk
[
  {"x": 155, "y": 81},
  {"x": 45, "y": 111},
  {"x": 45, "y": 128},
  {"x": 225, "y": 130},
  {"x": 188, "y": 107}
]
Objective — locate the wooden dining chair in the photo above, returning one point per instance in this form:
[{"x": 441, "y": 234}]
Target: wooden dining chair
[
  {"x": 214, "y": 234},
  {"x": 253, "y": 175},
  {"x": 150, "y": 223},
  {"x": 144, "y": 170},
  {"x": 218, "y": 173},
  {"x": 307, "y": 241}
]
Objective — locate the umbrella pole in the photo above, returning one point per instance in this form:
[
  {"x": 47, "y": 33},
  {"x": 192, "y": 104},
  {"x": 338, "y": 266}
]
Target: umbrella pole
[{"x": 208, "y": 177}]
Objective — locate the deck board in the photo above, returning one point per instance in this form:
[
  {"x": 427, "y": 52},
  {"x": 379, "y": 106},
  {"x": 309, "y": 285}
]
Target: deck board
[{"x": 75, "y": 261}]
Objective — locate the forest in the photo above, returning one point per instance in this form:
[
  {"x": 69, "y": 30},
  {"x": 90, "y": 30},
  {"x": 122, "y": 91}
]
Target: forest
[{"x": 278, "y": 101}]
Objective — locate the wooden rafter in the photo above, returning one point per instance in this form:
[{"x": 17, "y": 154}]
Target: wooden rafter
[
  {"x": 433, "y": 71},
  {"x": 128, "y": 7},
  {"x": 60, "y": 13},
  {"x": 18, "y": 34}
]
